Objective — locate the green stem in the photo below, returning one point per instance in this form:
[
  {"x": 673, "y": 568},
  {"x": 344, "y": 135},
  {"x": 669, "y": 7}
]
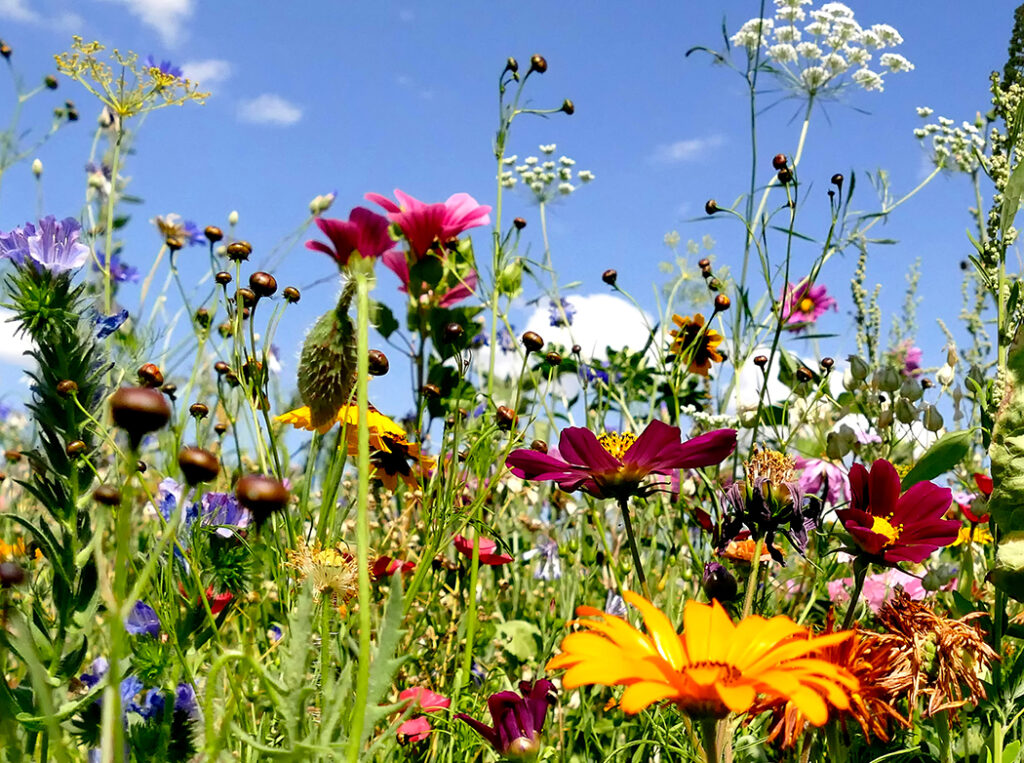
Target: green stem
[
  {"x": 942, "y": 728},
  {"x": 860, "y": 571},
  {"x": 633, "y": 549},
  {"x": 755, "y": 569},
  {"x": 109, "y": 225},
  {"x": 363, "y": 273},
  {"x": 709, "y": 737}
]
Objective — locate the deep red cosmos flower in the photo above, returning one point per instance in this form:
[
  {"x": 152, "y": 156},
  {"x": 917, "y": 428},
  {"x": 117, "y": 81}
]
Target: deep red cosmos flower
[
  {"x": 893, "y": 527},
  {"x": 423, "y": 223},
  {"x": 365, "y": 232},
  {"x": 488, "y": 550},
  {"x": 614, "y": 464},
  {"x": 984, "y": 483}
]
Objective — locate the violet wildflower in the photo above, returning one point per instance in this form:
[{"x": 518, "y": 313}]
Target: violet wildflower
[
  {"x": 803, "y": 303},
  {"x": 818, "y": 475},
  {"x": 14, "y": 244},
  {"x": 549, "y": 563},
  {"x": 518, "y": 719},
  {"x": 119, "y": 271},
  {"x": 561, "y": 312},
  {"x": 222, "y": 510},
  {"x": 164, "y": 67},
  {"x": 52, "y": 245},
  {"x": 107, "y": 324},
  {"x": 142, "y": 620}
]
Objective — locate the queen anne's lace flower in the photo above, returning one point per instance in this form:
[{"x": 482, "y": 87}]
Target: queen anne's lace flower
[{"x": 894, "y": 62}]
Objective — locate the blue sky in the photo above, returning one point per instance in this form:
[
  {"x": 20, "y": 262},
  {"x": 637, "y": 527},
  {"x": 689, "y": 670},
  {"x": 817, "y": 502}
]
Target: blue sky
[{"x": 324, "y": 96}]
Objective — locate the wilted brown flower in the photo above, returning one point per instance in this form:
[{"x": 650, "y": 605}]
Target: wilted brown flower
[{"x": 333, "y": 572}]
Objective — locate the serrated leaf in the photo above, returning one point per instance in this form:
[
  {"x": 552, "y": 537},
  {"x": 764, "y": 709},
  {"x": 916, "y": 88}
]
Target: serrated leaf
[{"x": 943, "y": 455}]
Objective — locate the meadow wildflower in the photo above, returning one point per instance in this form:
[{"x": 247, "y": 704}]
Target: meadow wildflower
[
  {"x": 803, "y": 303},
  {"x": 696, "y": 343},
  {"x": 364, "y": 232},
  {"x": 52, "y": 246},
  {"x": 142, "y": 620},
  {"x": 890, "y": 527},
  {"x": 398, "y": 264},
  {"x": 713, "y": 668},
  {"x": 425, "y": 224},
  {"x": 518, "y": 719},
  {"x": 487, "y": 553}
]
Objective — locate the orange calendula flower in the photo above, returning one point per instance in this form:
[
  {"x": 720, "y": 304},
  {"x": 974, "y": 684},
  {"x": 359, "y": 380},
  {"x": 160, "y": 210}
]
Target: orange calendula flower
[
  {"x": 713, "y": 668},
  {"x": 693, "y": 342}
]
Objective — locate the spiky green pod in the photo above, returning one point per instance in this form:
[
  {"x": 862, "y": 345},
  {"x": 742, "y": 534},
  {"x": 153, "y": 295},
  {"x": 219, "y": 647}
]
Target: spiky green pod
[{"x": 327, "y": 366}]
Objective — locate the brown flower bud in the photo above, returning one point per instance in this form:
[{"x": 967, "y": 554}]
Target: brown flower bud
[
  {"x": 760, "y": 361},
  {"x": 213, "y": 234},
  {"x": 291, "y": 294},
  {"x": 11, "y": 573},
  {"x": 785, "y": 175},
  {"x": 379, "y": 364},
  {"x": 568, "y": 107},
  {"x": 505, "y": 417},
  {"x": 238, "y": 251},
  {"x": 75, "y": 448},
  {"x": 710, "y": 206},
  {"x": 538, "y": 64},
  {"x": 203, "y": 318},
  {"x": 722, "y": 303},
  {"x": 837, "y": 180},
  {"x": 223, "y": 278},
  {"x": 199, "y": 410},
  {"x": 610, "y": 276},
  {"x": 72, "y": 115},
  {"x": 221, "y": 367},
  {"x": 779, "y": 161},
  {"x": 576, "y": 349},
  {"x": 67, "y": 388},
  {"x": 261, "y": 495},
  {"x": 553, "y": 359},
  {"x": 704, "y": 263},
  {"x": 232, "y": 379},
  {"x": 263, "y": 284},
  {"x": 532, "y": 341},
  {"x": 453, "y": 333},
  {"x": 198, "y": 465},
  {"x": 174, "y": 243},
  {"x": 520, "y": 223},
  {"x": 150, "y": 375},
  {"x": 827, "y": 364},
  {"x": 139, "y": 411},
  {"x": 225, "y": 329},
  {"x": 539, "y": 445},
  {"x": 50, "y": 81},
  {"x": 927, "y": 383},
  {"x": 220, "y": 428},
  {"x": 511, "y": 65},
  {"x": 714, "y": 284},
  {"x": 431, "y": 391},
  {"x": 140, "y": 466},
  {"x": 5, "y": 50},
  {"x": 804, "y": 374},
  {"x": 170, "y": 390},
  {"x": 107, "y": 495},
  {"x": 248, "y": 296}
]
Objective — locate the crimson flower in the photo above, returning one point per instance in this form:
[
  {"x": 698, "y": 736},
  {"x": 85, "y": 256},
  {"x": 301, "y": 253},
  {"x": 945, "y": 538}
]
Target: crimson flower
[
  {"x": 397, "y": 263},
  {"x": 423, "y": 224},
  {"x": 386, "y": 566},
  {"x": 893, "y": 527},
  {"x": 488, "y": 550},
  {"x": 614, "y": 464},
  {"x": 518, "y": 719},
  {"x": 984, "y": 483},
  {"x": 365, "y": 232}
]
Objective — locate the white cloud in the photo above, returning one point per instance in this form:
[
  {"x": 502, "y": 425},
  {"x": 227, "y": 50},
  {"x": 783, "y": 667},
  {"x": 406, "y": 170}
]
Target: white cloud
[
  {"x": 269, "y": 109},
  {"x": 208, "y": 72},
  {"x": 167, "y": 17},
  {"x": 685, "y": 150},
  {"x": 18, "y": 10},
  {"x": 13, "y": 346}
]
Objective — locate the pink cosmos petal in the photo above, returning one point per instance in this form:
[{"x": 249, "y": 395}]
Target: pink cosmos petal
[
  {"x": 706, "y": 450},
  {"x": 650, "y": 445},
  {"x": 384, "y": 201},
  {"x": 922, "y": 501},
  {"x": 414, "y": 730},
  {"x": 486, "y": 553},
  {"x": 529, "y": 464},
  {"x": 365, "y": 232},
  {"x": 423, "y": 223},
  {"x": 425, "y": 699},
  {"x": 395, "y": 262},
  {"x": 460, "y": 291},
  {"x": 579, "y": 446}
]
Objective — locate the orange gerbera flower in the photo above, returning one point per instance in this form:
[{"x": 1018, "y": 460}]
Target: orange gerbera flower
[
  {"x": 712, "y": 668},
  {"x": 693, "y": 342}
]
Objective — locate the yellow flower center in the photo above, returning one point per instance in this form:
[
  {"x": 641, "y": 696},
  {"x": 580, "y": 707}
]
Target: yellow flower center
[
  {"x": 806, "y": 305},
  {"x": 617, "y": 443},
  {"x": 882, "y": 526},
  {"x": 770, "y": 465}
]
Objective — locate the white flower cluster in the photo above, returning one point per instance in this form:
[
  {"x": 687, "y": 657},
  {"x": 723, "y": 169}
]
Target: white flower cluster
[
  {"x": 816, "y": 55},
  {"x": 546, "y": 178},
  {"x": 955, "y": 148}
]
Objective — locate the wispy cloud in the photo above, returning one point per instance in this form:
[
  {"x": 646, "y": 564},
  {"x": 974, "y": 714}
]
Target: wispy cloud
[
  {"x": 19, "y": 10},
  {"x": 166, "y": 17},
  {"x": 269, "y": 109},
  {"x": 208, "y": 72},
  {"x": 424, "y": 92},
  {"x": 13, "y": 346},
  {"x": 686, "y": 150}
]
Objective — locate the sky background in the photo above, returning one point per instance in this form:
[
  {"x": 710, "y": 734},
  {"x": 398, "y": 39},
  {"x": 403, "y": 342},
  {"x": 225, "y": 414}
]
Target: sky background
[{"x": 313, "y": 97}]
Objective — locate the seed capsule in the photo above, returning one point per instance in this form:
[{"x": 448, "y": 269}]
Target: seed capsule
[
  {"x": 139, "y": 411},
  {"x": 837, "y": 180},
  {"x": 760, "y": 361},
  {"x": 532, "y": 341},
  {"x": 220, "y": 428},
  {"x": 291, "y": 294},
  {"x": 223, "y": 278},
  {"x": 50, "y": 81},
  {"x": 568, "y": 107},
  {"x": 804, "y": 374},
  {"x": 520, "y": 223},
  {"x": 198, "y": 465},
  {"x": 248, "y": 297},
  {"x": 67, "y": 388},
  {"x": 576, "y": 349},
  {"x": 150, "y": 375},
  {"x": 505, "y": 417},
  {"x": 538, "y": 64},
  {"x": 779, "y": 161},
  {"x": 199, "y": 410},
  {"x": 511, "y": 65},
  {"x": 203, "y": 318},
  {"x": 718, "y": 583},
  {"x": 722, "y": 303},
  {"x": 238, "y": 251},
  {"x": 453, "y": 333},
  {"x": 107, "y": 495},
  {"x": 263, "y": 284},
  {"x": 539, "y": 445},
  {"x": 827, "y": 364},
  {"x": 75, "y": 448},
  {"x": 221, "y": 367},
  {"x": 262, "y": 495},
  {"x": 174, "y": 243},
  {"x": 704, "y": 263},
  {"x": 610, "y": 276},
  {"x": 431, "y": 391},
  {"x": 213, "y": 234},
  {"x": 553, "y": 359},
  {"x": 785, "y": 175},
  {"x": 710, "y": 206},
  {"x": 379, "y": 364}
]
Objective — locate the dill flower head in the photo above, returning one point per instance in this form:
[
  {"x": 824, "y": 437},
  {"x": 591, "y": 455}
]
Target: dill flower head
[
  {"x": 713, "y": 668},
  {"x": 695, "y": 343}
]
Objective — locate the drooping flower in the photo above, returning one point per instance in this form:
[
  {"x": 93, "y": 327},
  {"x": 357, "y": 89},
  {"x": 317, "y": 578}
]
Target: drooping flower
[
  {"x": 891, "y": 527},
  {"x": 696, "y": 344},
  {"x": 396, "y": 262},
  {"x": 173, "y": 226},
  {"x": 818, "y": 475},
  {"x": 142, "y": 620},
  {"x": 803, "y": 303},
  {"x": 715, "y": 666},
  {"x": 614, "y": 464},
  {"x": 424, "y": 224},
  {"x": 54, "y": 245},
  {"x": 365, "y": 232},
  {"x": 488, "y": 553},
  {"x": 518, "y": 719}
]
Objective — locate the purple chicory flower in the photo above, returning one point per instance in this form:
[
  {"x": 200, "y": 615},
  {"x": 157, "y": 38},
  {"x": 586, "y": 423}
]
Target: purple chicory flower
[
  {"x": 107, "y": 324},
  {"x": 142, "y": 620},
  {"x": 55, "y": 245},
  {"x": 518, "y": 718},
  {"x": 119, "y": 271}
]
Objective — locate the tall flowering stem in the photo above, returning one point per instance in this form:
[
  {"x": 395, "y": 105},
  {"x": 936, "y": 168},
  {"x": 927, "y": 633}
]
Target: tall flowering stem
[
  {"x": 109, "y": 224},
  {"x": 363, "y": 272}
]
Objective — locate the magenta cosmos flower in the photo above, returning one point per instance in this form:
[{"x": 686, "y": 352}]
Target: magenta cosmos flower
[
  {"x": 518, "y": 719},
  {"x": 423, "y": 224},
  {"x": 817, "y": 475},
  {"x": 803, "y": 303},
  {"x": 892, "y": 527},
  {"x": 365, "y": 232},
  {"x": 397, "y": 263},
  {"x": 614, "y": 464},
  {"x": 488, "y": 551}
]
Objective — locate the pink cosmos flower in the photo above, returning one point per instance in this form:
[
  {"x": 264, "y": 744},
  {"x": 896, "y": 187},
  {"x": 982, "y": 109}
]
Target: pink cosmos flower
[
  {"x": 487, "y": 551},
  {"x": 365, "y": 232},
  {"x": 614, "y": 464},
  {"x": 817, "y": 474},
  {"x": 423, "y": 224},
  {"x": 907, "y": 356},
  {"x": 413, "y": 730},
  {"x": 877, "y": 588},
  {"x": 397, "y": 263},
  {"x": 803, "y": 303},
  {"x": 424, "y": 699}
]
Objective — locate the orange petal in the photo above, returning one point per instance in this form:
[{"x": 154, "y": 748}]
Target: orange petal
[
  {"x": 644, "y": 694},
  {"x": 660, "y": 630}
]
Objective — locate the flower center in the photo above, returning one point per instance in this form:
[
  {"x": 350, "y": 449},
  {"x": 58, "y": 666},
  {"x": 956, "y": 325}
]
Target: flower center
[
  {"x": 770, "y": 465},
  {"x": 806, "y": 305},
  {"x": 882, "y": 526},
  {"x": 617, "y": 443}
]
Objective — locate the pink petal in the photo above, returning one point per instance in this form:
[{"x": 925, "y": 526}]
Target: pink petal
[{"x": 579, "y": 446}]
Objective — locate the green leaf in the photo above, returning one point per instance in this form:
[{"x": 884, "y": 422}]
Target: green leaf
[
  {"x": 1011, "y": 751},
  {"x": 384, "y": 320},
  {"x": 943, "y": 455},
  {"x": 519, "y": 638}
]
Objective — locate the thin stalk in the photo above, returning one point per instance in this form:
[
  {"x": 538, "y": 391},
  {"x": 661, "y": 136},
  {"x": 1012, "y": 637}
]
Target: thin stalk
[
  {"x": 755, "y": 569},
  {"x": 633, "y": 549},
  {"x": 709, "y": 737},
  {"x": 109, "y": 225},
  {"x": 859, "y": 573}
]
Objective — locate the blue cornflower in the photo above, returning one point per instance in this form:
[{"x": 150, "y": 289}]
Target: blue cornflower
[
  {"x": 274, "y": 633},
  {"x": 185, "y": 700},
  {"x": 561, "y": 312},
  {"x": 119, "y": 271},
  {"x": 165, "y": 67},
  {"x": 152, "y": 704},
  {"x": 55, "y": 245},
  {"x": 97, "y": 670},
  {"x": 590, "y": 374},
  {"x": 549, "y": 563},
  {"x": 506, "y": 342},
  {"x": 143, "y": 620},
  {"x": 108, "y": 324}
]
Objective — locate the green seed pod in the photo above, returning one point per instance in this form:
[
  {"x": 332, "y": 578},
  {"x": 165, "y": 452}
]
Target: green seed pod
[
  {"x": 327, "y": 366},
  {"x": 887, "y": 379},
  {"x": 911, "y": 389},
  {"x": 858, "y": 368}
]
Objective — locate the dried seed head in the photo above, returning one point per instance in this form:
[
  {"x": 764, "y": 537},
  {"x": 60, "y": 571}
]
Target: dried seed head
[
  {"x": 213, "y": 234},
  {"x": 511, "y": 65},
  {"x": 539, "y": 445},
  {"x": 220, "y": 428},
  {"x": 238, "y": 251},
  {"x": 107, "y": 495},
  {"x": 519, "y": 222},
  {"x": 710, "y": 206},
  {"x": 779, "y": 161},
  {"x": 139, "y": 411},
  {"x": 804, "y": 374},
  {"x": 553, "y": 359},
  {"x": 198, "y": 465},
  {"x": 785, "y": 175},
  {"x": 722, "y": 303},
  {"x": 704, "y": 263},
  {"x": 199, "y": 410},
  {"x": 170, "y": 390},
  {"x": 538, "y": 64},
  {"x": 505, "y": 417},
  {"x": 532, "y": 341},
  {"x": 263, "y": 284},
  {"x": 248, "y": 296},
  {"x": 223, "y": 278},
  {"x": 610, "y": 276},
  {"x": 262, "y": 495},
  {"x": 291, "y": 294}
]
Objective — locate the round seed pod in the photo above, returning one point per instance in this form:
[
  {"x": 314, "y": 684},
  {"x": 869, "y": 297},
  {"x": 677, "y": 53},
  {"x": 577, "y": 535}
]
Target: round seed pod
[
  {"x": 150, "y": 375},
  {"x": 519, "y": 222},
  {"x": 75, "y": 448},
  {"x": 379, "y": 364},
  {"x": 248, "y": 297},
  {"x": 505, "y": 417},
  {"x": 532, "y": 341},
  {"x": 262, "y": 495},
  {"x": 553, "y": 359},
  {"x": 198, "y": 465},
  {"x": 539, "y": 445},
  {"x": 568, "y": 107},
  {"x": 779, "y": 161},
  {"x": 610, "y": 276},
  {"x": 760, "y": 361},
  {"x": 538, "y": 63},
  {"x": 139, "y": 411},
  {"x": 213, "y": 234},
  {"x": 170, "y": 390},
  {"x": 67, "y": 388},
  {"x": 199, "y": 410},
  {"x": 220, "y": 428},
  {"x": 722, "y": 303},
  {"x": 107, "y": 495},
  {"x": 238, "y": 251},
  {"x": 291, "y": 294},
  {"x": 174, "y": 243},
  {"x": 710, "y": 207},
  {"x": 223, "y": 278},
  {"x": 263, "y": 284},
  {"x": 454, "y": 332}
]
